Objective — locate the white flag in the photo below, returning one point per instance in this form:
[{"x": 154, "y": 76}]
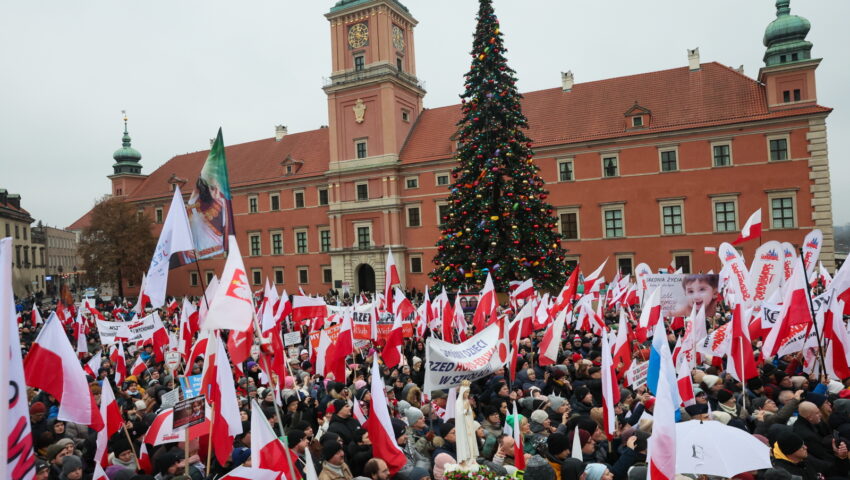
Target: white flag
[
  {"x": 176, "y": 236},
  {"x": 232, "y": 307}
]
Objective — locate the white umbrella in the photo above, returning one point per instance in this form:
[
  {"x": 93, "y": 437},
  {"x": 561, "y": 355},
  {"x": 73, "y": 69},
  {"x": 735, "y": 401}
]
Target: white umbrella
[{"x": 712, "y": 448}]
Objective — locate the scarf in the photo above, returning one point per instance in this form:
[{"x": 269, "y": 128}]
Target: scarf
[
  {"x": 733, "y": 411},
  {"x": 777, "y": 454}
]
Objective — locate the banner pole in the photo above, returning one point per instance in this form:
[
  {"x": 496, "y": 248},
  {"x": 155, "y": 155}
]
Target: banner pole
[{"x": 812, "y": 310}]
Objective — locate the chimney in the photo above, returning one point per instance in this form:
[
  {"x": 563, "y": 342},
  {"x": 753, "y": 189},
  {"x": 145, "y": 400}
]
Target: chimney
[
  {"x": 279, "y": 132},
  {"x": 567, "y": 81},
  {"x": 693, "y": 59},
  {"x": 740, "y": 69}
]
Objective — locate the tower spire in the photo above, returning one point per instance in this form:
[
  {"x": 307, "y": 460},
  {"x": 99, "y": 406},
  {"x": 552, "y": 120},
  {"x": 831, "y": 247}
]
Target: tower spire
[
  {"x": 126, "y": 158},
  {"x": 785, "y": 37}
]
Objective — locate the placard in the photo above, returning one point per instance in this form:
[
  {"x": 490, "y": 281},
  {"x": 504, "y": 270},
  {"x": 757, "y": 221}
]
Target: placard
[
  {"x": 448, "y": 365},
  {"x": 680, "y": 292},
  {"x": 636, "y": 375},
  {"x": 171, "y": 398},
  {"x": 172, "y": 360},
  {"x": 188, "y": 412},
  {"x": 291, "y": 338},
  {"x": 191, "y": 385}
]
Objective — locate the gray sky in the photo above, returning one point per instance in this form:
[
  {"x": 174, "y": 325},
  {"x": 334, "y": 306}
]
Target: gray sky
[{"x": 183, "y": 68}]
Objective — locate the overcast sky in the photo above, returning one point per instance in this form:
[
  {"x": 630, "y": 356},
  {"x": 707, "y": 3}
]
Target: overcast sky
[{"x": 183, "y": 68}]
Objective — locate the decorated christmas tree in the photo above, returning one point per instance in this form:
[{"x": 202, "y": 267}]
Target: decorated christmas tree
[{"x": 498, "y": 221}]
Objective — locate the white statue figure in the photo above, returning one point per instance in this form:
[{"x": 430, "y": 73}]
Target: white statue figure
[{"x": 467, "y": 445}]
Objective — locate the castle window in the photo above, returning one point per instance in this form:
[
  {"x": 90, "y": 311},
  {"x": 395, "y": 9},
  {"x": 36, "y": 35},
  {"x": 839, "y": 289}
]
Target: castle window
[
  {"x": 398, "y": 64},
  {"x": 778, "y": 148},
  {"x": 415, "y": 264},
  {"x": 637, "y": 121},
  {"x": 609, "y": 167},
  {"x": 362, "y": 192},
  {"x": 158, "y": 215},
  {"x": 360, "y": 148},
  {"x": 786, "y": 96},
  {"x": 323, "y": 196},
  {"x": 274, "y": 202},
  {"x": 565, "y": 171},
  {"x": 252, "y": 204},
  {"x": 299, "y": 199},
  {"x": 796, "y": 94},
  {"x": 359, "y": 63},
  {"x": 722, "y": 155},
  {"x": 669, "y": 162}
]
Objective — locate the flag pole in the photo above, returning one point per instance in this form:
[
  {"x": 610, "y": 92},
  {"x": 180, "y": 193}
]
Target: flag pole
[
  {"x": 132, "y": 448},
  {"x": 812, "y": 310},
  {"x": 210, "y": 443}
]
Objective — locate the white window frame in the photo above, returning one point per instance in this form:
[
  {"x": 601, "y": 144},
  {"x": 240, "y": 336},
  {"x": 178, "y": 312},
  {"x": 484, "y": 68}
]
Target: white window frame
[
  {"x": 274, "y": 275},
  {"x": 259, "y": 238},
  {"x": 410, "y": 263},
  {"x": 330, "y": 246},
  {"x": 271, "y": 202},
  {"x": 365, "y": 142},
  {"x": 357, "y": 194},
  {"x": 256, "y": 200},
  {"x": 672, "y": 203},
  {"x": 715, "y": 199},
  {"x": 194, "y": 279},
  {"x": 295, "y": 198},
  {"x": 158, "y": 216},
  {"x": 415, "y": 178},
  {"x": 630, "y": 256},
  {"x": 722, "y": 143},
  {"x": 683, "y": 253},
  {"x": 611, "y": 207},
  {"x": 785, "y": 193},
  {"x": 407, "y": 210},
  {"x": 306, "y": 270},
  {"x": 565, "y": 210},
  {"x": 661, "y": 151},
  {"x": 405, "y": 115},
  {"x": 571, "y": 161},
  {"x": 440, "y": 203},
  {"x": 615, "y": 156},
  {"x": 272, "y": 233},
  {"x": 319, "y": 191},
  {"x": 779, "y": 136},
  {"x": 209, "y": 275},
  {"x": 438, "y": 175},
  {"x": 635, "y": 119},
  {"x": 295, "y": 233},
  {"x": 357, "y": 226},
  {"x": 255, "y": 271}
]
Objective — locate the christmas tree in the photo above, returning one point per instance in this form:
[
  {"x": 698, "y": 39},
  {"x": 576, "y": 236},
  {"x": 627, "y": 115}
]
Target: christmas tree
[{"x": 498, "y": 221}]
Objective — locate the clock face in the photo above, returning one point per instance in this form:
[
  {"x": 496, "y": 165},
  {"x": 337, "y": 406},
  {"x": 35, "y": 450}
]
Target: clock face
[
  {"x": 398, "y": 38},
  {"x": 358, "y": 35}
]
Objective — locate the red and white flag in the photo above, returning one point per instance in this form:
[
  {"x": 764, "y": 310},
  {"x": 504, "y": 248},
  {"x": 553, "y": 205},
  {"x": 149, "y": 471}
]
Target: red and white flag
[
  {"x": 710, "y": 250},
  {"x": 304, "y": 307},
  {"x": 232, "y": 307},
  {"x": 523, "y": 290},
  {"x": 685, "y": 384},
  {"x": 145, "y": 464},
  {"x": 796, "y": 311},
  {"x": 486, "y": 309},
  {"x": 391, "y": 279},
  {"x": 93, "y": 365},
  {"x": 610, "y": 390},
  {"x": 251, "y": 473},
  {"x": 650, "y": 314},
  {"x": 391, "y": 353},
  {"x": 838, "y": 351},
  {"x": 592, "y": 281},
  {"x": 343, "y": 347},
  {"x": 751, "y": 230},
  {"x": 52, "y": 366},
  {"x": 564, "y": 300},
  {"x": 622, "y": 355},
  {"x": 17, "y": 459},
  {"x": 116, "y": 356},
  {"x": 138, "y": 367},
  {"x": 661, "y": 450},
  {"x": 357, "y": 410},
  {"x": 743, "y": 365},
  {"x": 99, "y": 474},
  {"x": 551, "y": 342},
  {"x": 267, "y": 452},
  {"x": 519, "y": 450},
  {"x": 323, "y": 351},
  {"x": 217, "y": 381},
  {"x": 176, "y": 236},
  {"x": 379, "y": 425},
  {"x": 112, "y": 420}
]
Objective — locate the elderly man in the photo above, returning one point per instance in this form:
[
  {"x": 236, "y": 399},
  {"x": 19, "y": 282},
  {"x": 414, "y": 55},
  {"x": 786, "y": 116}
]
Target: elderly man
[{"x": 823, "y": 451}]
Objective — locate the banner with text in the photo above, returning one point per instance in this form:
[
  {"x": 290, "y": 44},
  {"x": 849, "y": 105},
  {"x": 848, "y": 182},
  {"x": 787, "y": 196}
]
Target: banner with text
[
  {"x": 133, "y": 331},
  {"x": 447, "y": 365}
]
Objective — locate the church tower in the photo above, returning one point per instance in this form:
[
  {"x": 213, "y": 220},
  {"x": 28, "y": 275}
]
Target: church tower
[
  {"x": 789, "y": 71},
  {"x": 374, "y": 99},
  {"x": 127, "y": 171}
]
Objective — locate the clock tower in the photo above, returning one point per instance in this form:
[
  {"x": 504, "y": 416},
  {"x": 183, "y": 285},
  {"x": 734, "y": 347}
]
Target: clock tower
[{"x": 374, "y": 99}]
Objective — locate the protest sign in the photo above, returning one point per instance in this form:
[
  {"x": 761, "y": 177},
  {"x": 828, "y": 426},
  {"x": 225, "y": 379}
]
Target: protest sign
[
  {"x": 188, "y": 412},
  {"x": 133, "y": 331},
  {"x": 291, "y": 338},
  {"x": 680, "y": 292},
  {"x": 191, "y": 385},
  {"x": 447, "y": 365},
  {"x": 172, "y": 360},
  {"x": 636, "y": 375},
  {"x": 169, "y": 399}
]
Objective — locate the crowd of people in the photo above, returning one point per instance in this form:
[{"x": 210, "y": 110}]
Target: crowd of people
[{"x": 804, "y": 420}]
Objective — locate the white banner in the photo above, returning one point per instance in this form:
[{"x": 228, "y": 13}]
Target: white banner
[
  {"x": 133, "y": 331},
  {"x": 448, "y": 365}
]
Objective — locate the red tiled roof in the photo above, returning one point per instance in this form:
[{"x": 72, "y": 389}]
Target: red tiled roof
[
  {"x": 678, "y": 99},
  {"x": 81, "y": 222},
  {"x": 247, "y": 163}
]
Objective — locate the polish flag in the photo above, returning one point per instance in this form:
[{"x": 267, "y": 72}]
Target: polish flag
[
  {"x": 650, "y": 314},
  {"x": 824, "y": 276},
  {"x": 171, "y": 308},
  {"x": 51, "y": 365},
  {"x": 232, "y": 307},
  {"x": 251, "y": 473},
  {"x": 552, "y": 340},
  {"x": 268, "y": 319},
  {"x": 35, "y": 317},
  {"x": 685, "y": 384},
  {"x": 751, "y": 230},
  {"x": 284, "y": 307},
  {"x": 93, "y": 365},
  {"x": 323, "y": 365},
  {"x": 591, "y": 282},
  {"x": 267, "y": 452},
  {"x": 113, "y": 422},
  {"x": 401, "y": 305},
  {"x": 176, "y": 236},
  {"x": 391, "y": 279},
  {"x": 143, "y": 300},
  {"x": 661, "y": 451},
  {"x": 743, "y": 365},
  {"x": 116, "y": 356},
  {"x": 184, "y": 341},
  {"x": 795, "y": 311},
  {"x": 358, "y": 412},
  {"x": 841, "y": 284},
  {"x": 99, "y": 474},
  {"x": 459, "y": 319},
  {"x": 519, "y": 451},
  {"x": 17, "y": 458},
  {"x": 304, "y": 307},
  {"x": 343, "y": 347},
  {"x": 239, "y": 345},
  {"x": 711, "y": 250},
  {"x": 631, "y": 298},
  {"x": 838, "y": 351},
  {"x": 622, "y": 359},
  {"x": 138, "y": 367},
  {"x": 217, "y": 381},
  {"x": 568, "y": 293},
  {"x": 379, "y": 425},
  {"x": 610, "y": 390},
  {"x": 144, "y": 462},
  {"x": 523, "y": 291},
  {"x": 391, "y": 353},
  {"x": 486, "y": 309},
  {"x": 445, "y": 314},
  {"x": 199, "y": 349}
]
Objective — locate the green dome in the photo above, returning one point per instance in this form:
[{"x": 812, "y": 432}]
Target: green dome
[
  {"x": 785, "y": 37},
  {"x": 126, "y": 158}
]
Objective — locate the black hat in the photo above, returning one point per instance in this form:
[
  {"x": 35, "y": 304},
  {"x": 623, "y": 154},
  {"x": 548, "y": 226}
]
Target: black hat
[
  {"x": 294, "y": 437},
  {"x": 789, "y": 443},
  {"x": 398, "y": 427},
  {"x": 446, "y": 428},
  {"x": 329, "y": 449},
  {"x": 557, "y": 443},
  {"x": 724, "y": 395},
  {"x": 581, "y": 392},
  {"x": 538, "y": 468},
  {"x": 339, "y": 404},
  {"x": 290, "y": 399},
  {"x": 164, "y": 461},
  {"x": 754, "y": 383},
  {"x": 697, "y": 409}
]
